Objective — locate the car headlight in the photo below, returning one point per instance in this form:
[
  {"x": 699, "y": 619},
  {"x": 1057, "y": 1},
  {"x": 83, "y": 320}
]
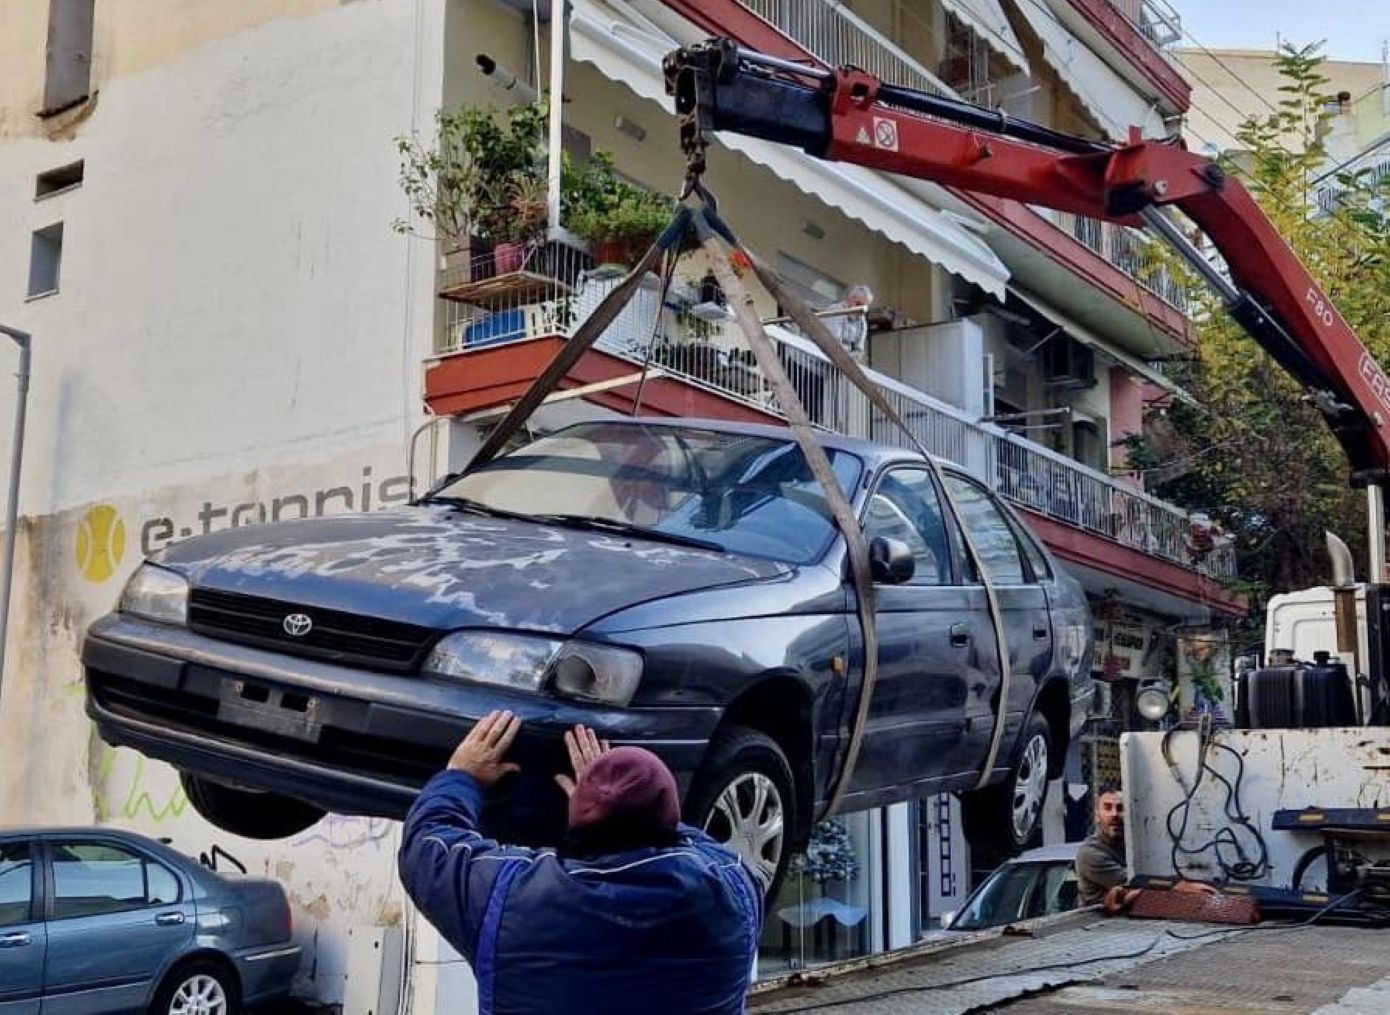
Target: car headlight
[
  {"x": 504, "y": 660},
  {"x": 574, "y": 669},
  {"x": 155, "y": 593},
  {"x": 597, "y": 672}
]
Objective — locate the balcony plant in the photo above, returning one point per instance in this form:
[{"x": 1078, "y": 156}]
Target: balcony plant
[
  {"x": 619, "y": 220},
  {"x": 475, "y": 183}
]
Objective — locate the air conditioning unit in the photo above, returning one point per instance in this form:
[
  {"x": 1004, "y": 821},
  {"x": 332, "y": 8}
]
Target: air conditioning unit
[{"x": 1069, "y": 364}]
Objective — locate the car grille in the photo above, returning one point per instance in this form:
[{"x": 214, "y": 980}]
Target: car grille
[{"x": 336, "y": 636}]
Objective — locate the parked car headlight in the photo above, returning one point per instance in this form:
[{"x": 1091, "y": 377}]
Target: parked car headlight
[
  {"x": 155, "y": 593},
  {"x": 575, "y": 669},
  {"x": 597, "y": 672},
  {"x": 504, "y": 660}
]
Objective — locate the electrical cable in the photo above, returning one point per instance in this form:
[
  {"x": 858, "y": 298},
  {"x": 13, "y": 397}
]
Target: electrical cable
[{"x": 1244, "y": 867}]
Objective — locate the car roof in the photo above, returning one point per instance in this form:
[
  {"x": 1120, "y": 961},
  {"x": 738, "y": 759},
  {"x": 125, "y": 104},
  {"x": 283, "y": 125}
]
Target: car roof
[
  {"x": 1044, "y": 854},
  {"x": 873, "y": 452}
]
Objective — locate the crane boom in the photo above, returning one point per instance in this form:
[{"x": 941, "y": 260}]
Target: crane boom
[{"x": 847, "y": 115}]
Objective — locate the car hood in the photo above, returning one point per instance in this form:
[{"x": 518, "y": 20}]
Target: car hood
[{"x": 440, "y": 567}]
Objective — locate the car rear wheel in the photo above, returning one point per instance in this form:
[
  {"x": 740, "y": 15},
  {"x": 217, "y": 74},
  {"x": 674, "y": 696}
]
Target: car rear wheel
[
  {"x": 1006, "y": 817},
  {"x": 744, "y": 797},
  {"x": 200, "y": 987},
  {"x": 252, "y": 814}
]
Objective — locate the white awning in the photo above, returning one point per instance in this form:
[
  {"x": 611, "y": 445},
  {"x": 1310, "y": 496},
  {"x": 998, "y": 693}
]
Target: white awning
[
  {"x": 1086, "y": 336},
  {"x": 632, "y": 56},
  {"x": 1109, "y": 98},
  {"x": 987, "y": 19}
]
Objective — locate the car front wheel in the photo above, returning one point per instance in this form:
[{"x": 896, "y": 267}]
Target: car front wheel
[
  {"x": 744, "y": 797},
  {"x": 252, "y": 814},
  {"x": 1006, "y": 817}
]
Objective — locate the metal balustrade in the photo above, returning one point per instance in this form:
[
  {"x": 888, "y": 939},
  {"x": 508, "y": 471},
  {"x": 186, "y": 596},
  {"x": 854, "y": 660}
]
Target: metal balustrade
[
  {"x": 1131, "y": 251},
  {"x": 1155, "y": 20},
  {"x": 837, "y": 36},
  {"x": 702, "y": 346}
]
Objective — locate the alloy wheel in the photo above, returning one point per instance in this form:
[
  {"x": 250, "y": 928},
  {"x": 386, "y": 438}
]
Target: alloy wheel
[
  {"x": 200, "y": 994},
  {"x": 1030, "y": 786},
  {"x": 749, "y": 817}
]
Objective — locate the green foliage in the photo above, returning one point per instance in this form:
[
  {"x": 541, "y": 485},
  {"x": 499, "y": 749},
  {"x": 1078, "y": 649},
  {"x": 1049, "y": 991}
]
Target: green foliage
[
  {"x": 1254, "y": 454},
  {"x": 600, "y": 206},
  {"x": 481, "y": 174}
]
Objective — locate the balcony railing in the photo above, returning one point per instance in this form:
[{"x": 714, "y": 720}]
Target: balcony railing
[
  {"x": 1132, "y": 252},
  {"x": 1155, "y": 20},
  {"x": 836, "y": 35},
  {"x": 1371, "y": 166},
  {"x": 699, "y": 344}
]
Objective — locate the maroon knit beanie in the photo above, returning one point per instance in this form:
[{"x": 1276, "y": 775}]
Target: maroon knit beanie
[{"x": 627, "y": 789}]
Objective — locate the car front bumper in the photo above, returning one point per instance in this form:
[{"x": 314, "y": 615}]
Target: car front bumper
[{"x": 348, "y": 740}]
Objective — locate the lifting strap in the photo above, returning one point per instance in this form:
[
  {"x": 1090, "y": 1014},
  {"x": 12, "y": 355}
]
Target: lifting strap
[
  {"x": 814, "y": 328},
  {"x": 707, "y": 225}
]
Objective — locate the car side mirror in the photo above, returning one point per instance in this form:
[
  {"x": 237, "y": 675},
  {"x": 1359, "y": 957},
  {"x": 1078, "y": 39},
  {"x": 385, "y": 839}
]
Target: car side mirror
[{"x": 890, "y": 561}]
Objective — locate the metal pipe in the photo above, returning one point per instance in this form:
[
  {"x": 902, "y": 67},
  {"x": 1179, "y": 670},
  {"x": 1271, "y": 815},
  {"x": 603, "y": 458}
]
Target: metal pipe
[
  {"x": 504, "y": 78},
  {"x": 22, "y": 339},
  {"x": 559, "y": 15},
  {"x": 1375, "y": 541}
]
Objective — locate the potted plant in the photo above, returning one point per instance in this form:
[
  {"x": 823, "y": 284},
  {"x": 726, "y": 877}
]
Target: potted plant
[
  {"x": 516, "y": 220},
  {"x": 475, "y": 184},
  {"x": 619, "y": 220}
]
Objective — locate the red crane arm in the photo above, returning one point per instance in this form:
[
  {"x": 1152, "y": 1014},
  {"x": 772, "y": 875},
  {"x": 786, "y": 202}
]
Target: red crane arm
[{"x": 850, "y": 116}]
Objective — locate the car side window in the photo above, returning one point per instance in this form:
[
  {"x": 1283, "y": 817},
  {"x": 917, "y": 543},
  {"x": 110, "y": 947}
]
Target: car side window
[
  {"x": 16, "y": 882},
  {"x": 1056, "y": 891},
  {"x": 95, "y": 877},
  {"x": 990, "y": 531},
  {"x": 905, "y": 506}
]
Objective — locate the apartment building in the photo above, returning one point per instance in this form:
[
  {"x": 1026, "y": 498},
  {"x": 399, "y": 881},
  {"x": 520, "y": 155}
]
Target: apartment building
[{"x": 195, "y": 225}]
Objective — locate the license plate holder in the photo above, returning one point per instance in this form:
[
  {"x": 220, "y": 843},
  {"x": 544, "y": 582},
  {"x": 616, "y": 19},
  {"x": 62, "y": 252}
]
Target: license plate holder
[{"x": 274, "y": 710}]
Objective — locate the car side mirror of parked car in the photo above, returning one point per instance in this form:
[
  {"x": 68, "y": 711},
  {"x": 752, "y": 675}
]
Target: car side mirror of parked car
[{"x": 891, "y": 561}]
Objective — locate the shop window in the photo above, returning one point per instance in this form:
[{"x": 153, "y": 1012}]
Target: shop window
[{"x": 826, "y": 909}]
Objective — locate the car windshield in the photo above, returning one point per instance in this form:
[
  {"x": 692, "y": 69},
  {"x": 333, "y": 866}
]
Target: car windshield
[
  {"x": 1000, "y": 899},
  {"x": 737, "y": 492}
]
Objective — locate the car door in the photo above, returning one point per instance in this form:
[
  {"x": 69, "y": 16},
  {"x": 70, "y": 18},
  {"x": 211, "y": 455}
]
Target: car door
[
  {"x": 116, "y": 918},
  {"x": 1023, "y": 604},
  {"x": 22, "y": 938},
  {"x": 917, "y": 712}
]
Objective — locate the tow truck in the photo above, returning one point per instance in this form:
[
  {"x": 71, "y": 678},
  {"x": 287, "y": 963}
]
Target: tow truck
[{"x": 761, "y": 84}]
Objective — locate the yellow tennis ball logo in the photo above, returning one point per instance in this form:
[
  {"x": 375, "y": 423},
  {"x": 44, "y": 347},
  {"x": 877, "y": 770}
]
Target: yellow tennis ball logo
[{"x": 100, "y": 543}]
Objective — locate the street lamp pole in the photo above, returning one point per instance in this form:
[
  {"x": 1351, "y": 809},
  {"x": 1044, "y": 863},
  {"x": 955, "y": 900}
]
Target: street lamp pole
[{"x": 21, "y": 339}]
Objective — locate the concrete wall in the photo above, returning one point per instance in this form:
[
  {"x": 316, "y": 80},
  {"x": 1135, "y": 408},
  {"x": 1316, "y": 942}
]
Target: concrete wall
[{"x": 236, "y": 327}]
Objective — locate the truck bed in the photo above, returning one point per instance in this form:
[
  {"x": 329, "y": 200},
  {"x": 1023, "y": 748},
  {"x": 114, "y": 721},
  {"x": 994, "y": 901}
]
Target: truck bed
[{"x": 1097, "y": 964}]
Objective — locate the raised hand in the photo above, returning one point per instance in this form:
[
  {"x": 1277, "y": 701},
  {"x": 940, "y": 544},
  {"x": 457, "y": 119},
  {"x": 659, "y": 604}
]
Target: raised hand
[
  {"x": 480, "y": 753},
  {"x": 584, "y": 749}
]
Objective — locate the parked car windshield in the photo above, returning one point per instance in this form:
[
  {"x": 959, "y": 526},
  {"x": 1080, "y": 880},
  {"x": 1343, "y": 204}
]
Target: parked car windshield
[
  {"x": 747, "y": 494},
  {"x": 1020, "y": 891}
]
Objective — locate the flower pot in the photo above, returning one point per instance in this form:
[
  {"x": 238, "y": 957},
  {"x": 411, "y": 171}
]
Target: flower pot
[{"x": 508, "y": 257}]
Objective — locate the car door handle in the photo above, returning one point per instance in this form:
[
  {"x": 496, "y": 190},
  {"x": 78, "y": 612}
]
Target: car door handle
[
  {"x": 15, "y": 940},
  {"x": 960, "y": 635},
  {"x": 169, "y": 919},
  {"x": 1039, "y": 632}
]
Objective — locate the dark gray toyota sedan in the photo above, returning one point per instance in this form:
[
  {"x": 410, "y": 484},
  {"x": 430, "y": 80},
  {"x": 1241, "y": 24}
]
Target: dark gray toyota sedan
[{"x": 674, "y": 584}]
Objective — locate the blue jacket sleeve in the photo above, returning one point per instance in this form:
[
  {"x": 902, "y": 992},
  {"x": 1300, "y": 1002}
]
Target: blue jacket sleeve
[
  {"x": 446, "y": 865},
  {"x": 736, "y": 875}
]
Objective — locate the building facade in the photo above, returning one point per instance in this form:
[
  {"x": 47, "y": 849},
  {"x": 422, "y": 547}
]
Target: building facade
[{"x": 197, "y": 229}]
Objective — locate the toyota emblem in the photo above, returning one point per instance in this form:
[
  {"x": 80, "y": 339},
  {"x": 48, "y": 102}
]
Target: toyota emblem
[{"x": 297, "y": 625}]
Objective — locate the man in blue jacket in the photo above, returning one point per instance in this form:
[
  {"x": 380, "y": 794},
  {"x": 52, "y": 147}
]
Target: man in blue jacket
[{"x": 635, "y": 912}]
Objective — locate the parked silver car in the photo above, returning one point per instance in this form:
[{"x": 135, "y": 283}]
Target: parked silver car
[{"x": 96, "y": 920}]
